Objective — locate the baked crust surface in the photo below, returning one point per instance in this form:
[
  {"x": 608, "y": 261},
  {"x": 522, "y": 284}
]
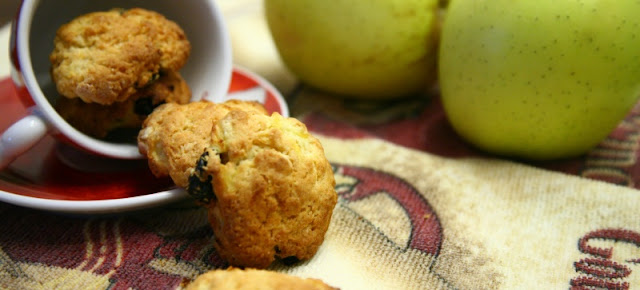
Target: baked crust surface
[
  {"x": 274, "y": 189},
  {"x": 250, "y": 279},
  {"x": 267, "y": 185},
  {"x": 105, "y": 57},
  {"x": 174, "y": 136}
]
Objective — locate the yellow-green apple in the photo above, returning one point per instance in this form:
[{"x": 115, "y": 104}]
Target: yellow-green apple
[
  {"x": 539, "y": 79},
  {"x": 360, "y": 48}
]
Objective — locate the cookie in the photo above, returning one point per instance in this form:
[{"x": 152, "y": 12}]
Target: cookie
[
  {"x": 99, "y": 120},
  {"x": 174, "y": 136},
  {"x": 249, "y": 279},
  {"x": 264, "y": 179},
  {"x": 268, "y": 187},
  {"x": 106, "y": 57}
]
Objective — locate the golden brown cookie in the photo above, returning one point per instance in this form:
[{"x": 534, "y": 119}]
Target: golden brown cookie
[
  {"x": 105, "y": 57},
  {"x": 268, "y": 187},
  {"x": 265, "y": 180},
  {"x": 251, "y": 279},
  {"x": 174, "y": 136},
  {"x": 99, "y": 120}
]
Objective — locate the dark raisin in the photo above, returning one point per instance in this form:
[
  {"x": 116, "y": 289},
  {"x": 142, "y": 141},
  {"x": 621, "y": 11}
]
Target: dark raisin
[
  {"x": 201, "y": 190},
  {"x": 199, "y": 186},
  {"x": 289, "y": 261},
  {"x": 143, "y": 106},
  {"x": 224, "y": 158},
  {"x": 202, "y": 162}
]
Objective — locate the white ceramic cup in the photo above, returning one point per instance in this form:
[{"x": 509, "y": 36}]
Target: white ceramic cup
[{"x": 207, "y": 72}]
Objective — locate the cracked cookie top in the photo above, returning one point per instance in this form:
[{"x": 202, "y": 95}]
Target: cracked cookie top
[
  {"x": 174, "y": 136},
  {"x": 105, "y": 57},
  {"x": 273, "y": 189},
  {"x": 264, "y": 179}
]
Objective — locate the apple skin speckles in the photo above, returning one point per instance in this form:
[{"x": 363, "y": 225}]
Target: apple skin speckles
[{"x": 538, "y": 79}]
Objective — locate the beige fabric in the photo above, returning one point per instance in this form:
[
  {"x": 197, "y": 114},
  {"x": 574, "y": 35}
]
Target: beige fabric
[{"x": 505, "y": 225}]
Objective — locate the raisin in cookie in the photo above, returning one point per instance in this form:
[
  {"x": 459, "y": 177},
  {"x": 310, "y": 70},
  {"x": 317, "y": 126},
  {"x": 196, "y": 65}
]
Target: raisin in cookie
[
  {"x": 250, "y": 279},
  {"x": 99, "y": 120},
  {"x": 174, "y": 136},
  {"x": 105, "y": 57}
]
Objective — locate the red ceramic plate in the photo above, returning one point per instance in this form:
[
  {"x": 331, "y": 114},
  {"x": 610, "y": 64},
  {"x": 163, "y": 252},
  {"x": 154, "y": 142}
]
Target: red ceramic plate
[{"x": 54, "y": 177}]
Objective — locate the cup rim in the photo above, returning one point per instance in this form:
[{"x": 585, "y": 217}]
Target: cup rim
[{"x": 54, "y": 121}]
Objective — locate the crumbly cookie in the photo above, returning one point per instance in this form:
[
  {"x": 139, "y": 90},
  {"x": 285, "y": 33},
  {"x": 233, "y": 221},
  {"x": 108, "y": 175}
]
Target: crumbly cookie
[
  {"x": 105, "y": 57},
  {"x": 268, "y": 187},
  {"x": 251, "y": 279},
  {"x": 99, "y": 120},
  {"x": 174, "y": 136},
  {"x": 264, "y": 179}
]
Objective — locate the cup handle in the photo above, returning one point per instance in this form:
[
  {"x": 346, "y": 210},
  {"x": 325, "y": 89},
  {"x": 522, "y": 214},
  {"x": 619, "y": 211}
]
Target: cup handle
[{"x": 20, "y": 137}]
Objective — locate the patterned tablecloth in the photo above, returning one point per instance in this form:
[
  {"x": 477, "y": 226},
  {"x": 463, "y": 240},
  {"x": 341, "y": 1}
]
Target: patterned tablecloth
[{"x": 418, "y": 207}]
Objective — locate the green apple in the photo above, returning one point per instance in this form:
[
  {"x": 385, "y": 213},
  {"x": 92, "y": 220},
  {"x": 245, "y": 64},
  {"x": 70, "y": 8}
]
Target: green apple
[
  {"x": 539, "y": 79},
  {"x": 360, "y": 48}
]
